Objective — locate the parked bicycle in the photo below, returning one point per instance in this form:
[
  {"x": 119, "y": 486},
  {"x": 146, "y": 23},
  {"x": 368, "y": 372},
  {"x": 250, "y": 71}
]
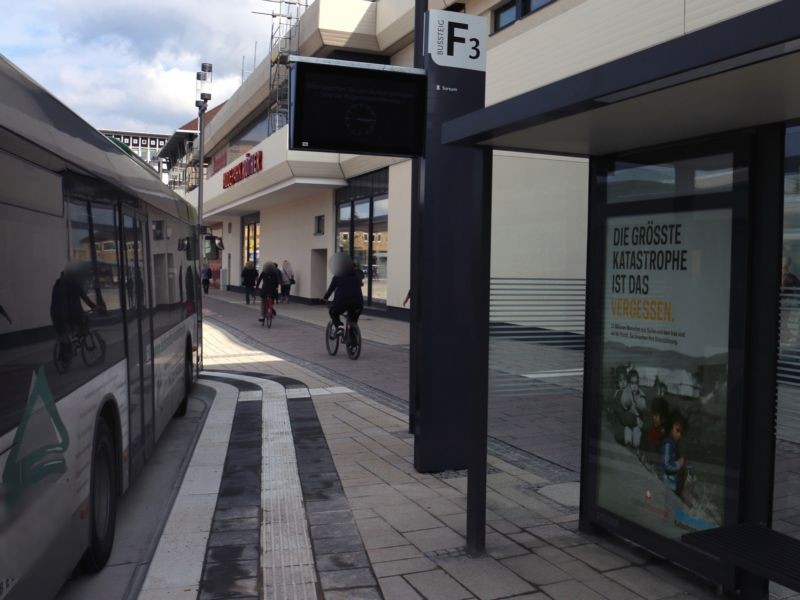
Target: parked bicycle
[
  {"x": 349, "y": 335},
  {"x": 89, "y": 344}
]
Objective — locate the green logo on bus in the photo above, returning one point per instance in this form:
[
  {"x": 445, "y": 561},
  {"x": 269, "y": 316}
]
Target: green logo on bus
[{"x": 39, "y": 444}]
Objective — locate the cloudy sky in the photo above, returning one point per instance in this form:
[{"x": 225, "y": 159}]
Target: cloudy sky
[{"x": 131, "y": 65}]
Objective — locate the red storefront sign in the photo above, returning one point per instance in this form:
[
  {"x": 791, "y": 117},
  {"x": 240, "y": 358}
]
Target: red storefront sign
[{"x": 252, "y": 163}]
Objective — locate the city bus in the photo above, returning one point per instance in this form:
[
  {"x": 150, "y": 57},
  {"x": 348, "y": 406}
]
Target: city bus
[{"x": 98, "y": 328}]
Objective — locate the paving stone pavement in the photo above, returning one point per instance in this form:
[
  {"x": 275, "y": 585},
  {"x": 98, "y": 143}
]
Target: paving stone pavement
[
  {"x": 530, "y": 421},
  {"x": 411, "y": 526}
]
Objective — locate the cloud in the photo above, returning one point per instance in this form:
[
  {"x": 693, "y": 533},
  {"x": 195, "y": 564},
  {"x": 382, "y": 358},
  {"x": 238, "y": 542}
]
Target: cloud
[{"x": 124, "y": 65}]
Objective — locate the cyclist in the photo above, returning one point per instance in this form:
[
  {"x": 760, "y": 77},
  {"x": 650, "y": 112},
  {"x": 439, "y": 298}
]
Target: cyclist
[
  {"x": 66, "y": 309},
  {"x": 268, "y": 283},
  {"x": 346, "y": 283}
]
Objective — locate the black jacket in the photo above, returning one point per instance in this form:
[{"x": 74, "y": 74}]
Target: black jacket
[
  {"x": 347, "y": 288},
  {"x": 268, "y": 281},
  {"x": 249, "y": 277}
]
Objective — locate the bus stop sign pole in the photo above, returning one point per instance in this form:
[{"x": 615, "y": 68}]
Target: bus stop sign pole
[{"x": 449, "y": 340}]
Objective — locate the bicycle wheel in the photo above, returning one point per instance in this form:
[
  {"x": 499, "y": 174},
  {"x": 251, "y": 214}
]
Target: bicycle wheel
[
  {"x": 61, "y": 359},
  {"x": 354, "y": 343},
  {"x": 93, "y": 349},
  {"x": 268, "y": 319},
  {"x": 331, "y": 339}
]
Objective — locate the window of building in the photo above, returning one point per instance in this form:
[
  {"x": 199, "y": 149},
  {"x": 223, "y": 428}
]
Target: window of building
[
  {"x": 530, "y": 6},
  {"x": 505, "y": 15},
  {"x": 158, "y": 229},
  {"x": 251, "y": 239},
  {"x": 508, "y": 13},
  {"x": 343, "y": 223},
  {"x": 319, "y": 225},
  {"x": 254, "y": 133},
  {"x": 135, "y": 141},
  {"x": 363, "y": 218}
]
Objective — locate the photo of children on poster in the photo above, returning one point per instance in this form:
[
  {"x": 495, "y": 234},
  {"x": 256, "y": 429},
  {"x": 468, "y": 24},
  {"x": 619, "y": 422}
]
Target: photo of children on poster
[{"x": 661, "y": 456}]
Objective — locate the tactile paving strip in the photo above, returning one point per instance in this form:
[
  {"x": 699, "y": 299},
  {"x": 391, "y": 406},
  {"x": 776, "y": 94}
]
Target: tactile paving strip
[{"x": 287, "y": 560}]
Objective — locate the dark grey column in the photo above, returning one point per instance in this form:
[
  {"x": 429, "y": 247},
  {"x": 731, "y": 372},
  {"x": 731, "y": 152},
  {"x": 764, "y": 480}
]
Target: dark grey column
[{"x": 450, "y": 280}]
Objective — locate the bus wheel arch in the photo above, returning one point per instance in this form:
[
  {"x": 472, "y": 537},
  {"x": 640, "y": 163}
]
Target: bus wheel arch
[{"x": 104, "y": 488}]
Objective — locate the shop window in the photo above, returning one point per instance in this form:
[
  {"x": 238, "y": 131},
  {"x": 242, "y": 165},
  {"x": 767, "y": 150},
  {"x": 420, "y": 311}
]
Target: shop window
[
  {"x": 362, "y": 227},
  {"x": 251, "y": 234},
  {"x": 319, "y": 225}
]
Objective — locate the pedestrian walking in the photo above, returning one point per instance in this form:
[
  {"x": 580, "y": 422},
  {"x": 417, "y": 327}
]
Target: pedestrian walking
[
  {"x": 206, "y": 277},
  {"x": 287, "y": 281},
  {"x": 249, "y": 277}
]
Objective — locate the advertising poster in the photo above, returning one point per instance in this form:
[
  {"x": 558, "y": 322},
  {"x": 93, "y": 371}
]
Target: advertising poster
[{"x": 661, "y": 456}]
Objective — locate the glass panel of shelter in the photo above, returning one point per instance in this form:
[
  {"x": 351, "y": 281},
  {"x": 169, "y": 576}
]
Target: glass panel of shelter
[
  {"x": 668, "y": 348},
  {"x": 786, "y": 497}
]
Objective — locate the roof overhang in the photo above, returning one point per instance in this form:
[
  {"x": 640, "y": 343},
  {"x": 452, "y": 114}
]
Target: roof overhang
[
  {"x": 174, "y": 147},
  {"x": 296, "y": 188},
  {"x": 738, "y": 73}
]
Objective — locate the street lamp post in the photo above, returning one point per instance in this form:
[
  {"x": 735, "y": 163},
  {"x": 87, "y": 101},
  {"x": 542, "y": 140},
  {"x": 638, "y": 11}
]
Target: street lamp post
[{"x": 204, "y": 78}]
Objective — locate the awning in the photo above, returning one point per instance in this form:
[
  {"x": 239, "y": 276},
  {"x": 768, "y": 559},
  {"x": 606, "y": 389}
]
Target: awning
[{"x": 738, "y": 73}]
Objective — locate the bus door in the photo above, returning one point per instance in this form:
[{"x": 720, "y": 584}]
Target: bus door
[{"x": 139, "y": 340}]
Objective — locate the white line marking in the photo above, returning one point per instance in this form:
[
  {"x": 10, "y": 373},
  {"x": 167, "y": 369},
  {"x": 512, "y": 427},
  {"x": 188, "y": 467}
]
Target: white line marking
[{"x": 553, "y": 374}]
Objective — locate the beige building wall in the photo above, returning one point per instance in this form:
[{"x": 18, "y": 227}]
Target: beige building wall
[
  {"x": 399, "y": 268},
  {"x": 539, "y": 216},
  {"x": 232, "y": 266},
  {"x": 287, "y": 232},
  {"x": 572, "y": 36}
]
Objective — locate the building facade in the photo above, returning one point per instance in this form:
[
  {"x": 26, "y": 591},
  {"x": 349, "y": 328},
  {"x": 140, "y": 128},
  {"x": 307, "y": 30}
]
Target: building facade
[
  {"x": 305, "y": 206},
  {"x": 144, "y": 145}
]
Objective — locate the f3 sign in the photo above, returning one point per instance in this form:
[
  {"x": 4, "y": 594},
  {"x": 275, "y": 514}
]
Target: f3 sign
[{"x": 457, "y": 40}]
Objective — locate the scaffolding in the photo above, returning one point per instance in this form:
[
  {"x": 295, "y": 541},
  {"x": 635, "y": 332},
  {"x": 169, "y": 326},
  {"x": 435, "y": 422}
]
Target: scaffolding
[{"x": 284, "y": 42}]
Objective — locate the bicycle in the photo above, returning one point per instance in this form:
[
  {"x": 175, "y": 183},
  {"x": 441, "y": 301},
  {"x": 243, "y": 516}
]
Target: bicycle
[
  {"x": 267, "y": 311},
  {"x": 350, "y": 336},
  {"x": 90, "y": 345}
]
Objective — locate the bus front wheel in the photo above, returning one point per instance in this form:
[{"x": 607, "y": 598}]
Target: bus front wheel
[{"x": 102, "y": 500}]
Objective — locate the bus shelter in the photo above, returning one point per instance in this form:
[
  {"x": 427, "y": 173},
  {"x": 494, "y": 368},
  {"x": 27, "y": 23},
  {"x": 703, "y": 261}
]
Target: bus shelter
[{"x": 691, "y": 336}]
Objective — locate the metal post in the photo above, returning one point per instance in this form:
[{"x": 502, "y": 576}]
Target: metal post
[
  {"x": 201, "y": 117},
  {"x": 479, "y": 416},
  {"x": 416, "y": 199}
]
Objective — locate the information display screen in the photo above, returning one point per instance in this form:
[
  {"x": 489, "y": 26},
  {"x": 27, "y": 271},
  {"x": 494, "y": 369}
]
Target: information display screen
[
  {"x": 663, "y": 440},
  {"x": 357, "y": 110}
]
